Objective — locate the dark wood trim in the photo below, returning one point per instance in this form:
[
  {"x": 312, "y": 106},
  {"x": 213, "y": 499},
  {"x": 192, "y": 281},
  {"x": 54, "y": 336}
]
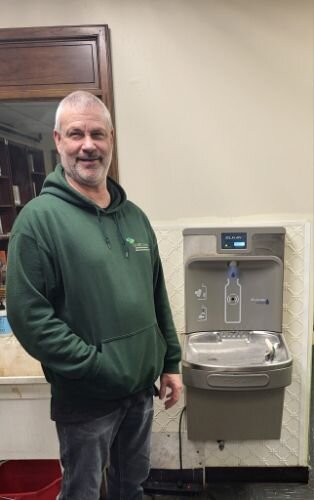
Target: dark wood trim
[
  {"x": 105, "y": 72},
  {"x": 44, "y": 35},
  {"x": 51, "y": 32}
]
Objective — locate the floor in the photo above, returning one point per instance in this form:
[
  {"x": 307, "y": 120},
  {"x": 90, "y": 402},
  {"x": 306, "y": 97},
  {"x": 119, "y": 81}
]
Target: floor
[{"x": 261, "y": 491}]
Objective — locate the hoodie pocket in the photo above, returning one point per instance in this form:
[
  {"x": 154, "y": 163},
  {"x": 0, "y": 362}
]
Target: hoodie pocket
[{"x": 132, "y": 362}]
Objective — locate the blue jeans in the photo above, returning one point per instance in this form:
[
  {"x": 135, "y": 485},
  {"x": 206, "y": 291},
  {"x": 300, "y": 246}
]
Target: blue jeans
[{"x": 119, "y": 440}]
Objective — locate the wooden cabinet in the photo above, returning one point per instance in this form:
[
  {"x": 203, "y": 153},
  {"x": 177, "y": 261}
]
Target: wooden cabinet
[{"x": 22, "y": 173}]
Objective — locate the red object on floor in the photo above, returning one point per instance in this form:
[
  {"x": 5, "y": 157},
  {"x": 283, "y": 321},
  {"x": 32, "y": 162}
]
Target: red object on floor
[{"x": 30, "y": 479}]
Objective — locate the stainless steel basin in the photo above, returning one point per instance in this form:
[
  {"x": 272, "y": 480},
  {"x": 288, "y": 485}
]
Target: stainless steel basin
[{"x": 236, "y": 350}]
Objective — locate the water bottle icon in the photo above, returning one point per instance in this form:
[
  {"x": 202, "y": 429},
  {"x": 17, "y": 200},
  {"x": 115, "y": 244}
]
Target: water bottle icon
[{"x": 232, "y": 303}]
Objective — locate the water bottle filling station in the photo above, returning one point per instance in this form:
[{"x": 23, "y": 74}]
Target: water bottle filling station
[{"x": 236, "y": 363}]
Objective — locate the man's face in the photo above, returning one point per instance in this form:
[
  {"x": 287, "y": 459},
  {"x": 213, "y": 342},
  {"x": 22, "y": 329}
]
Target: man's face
[{"x": 85, "y": 145}]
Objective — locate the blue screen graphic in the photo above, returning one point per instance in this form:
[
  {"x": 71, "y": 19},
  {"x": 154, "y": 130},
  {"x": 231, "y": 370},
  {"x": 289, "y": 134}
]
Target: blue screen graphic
[{"x": 233, "y": 241}]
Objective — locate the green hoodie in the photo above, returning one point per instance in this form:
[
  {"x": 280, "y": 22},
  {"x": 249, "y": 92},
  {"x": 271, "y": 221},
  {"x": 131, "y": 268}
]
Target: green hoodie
[{"x": 86, "y": 294}]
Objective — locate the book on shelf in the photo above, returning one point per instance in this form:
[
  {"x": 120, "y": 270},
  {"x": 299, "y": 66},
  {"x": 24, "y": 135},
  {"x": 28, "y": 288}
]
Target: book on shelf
[
  {"x": 1, "y": 228},
  {"x": 16, "y": 194},
  {"x": 3, "y": 267},
  {"x": 30, "y": 160}
]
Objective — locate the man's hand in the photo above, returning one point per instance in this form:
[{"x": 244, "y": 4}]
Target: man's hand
[{"x": 173, "y": 382}]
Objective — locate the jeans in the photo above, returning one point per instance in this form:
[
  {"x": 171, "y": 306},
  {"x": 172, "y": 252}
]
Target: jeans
[{"x": 119, "y": 440}]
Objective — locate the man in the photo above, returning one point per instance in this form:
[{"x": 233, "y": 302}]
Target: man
[{"x": 86, "y": 296}]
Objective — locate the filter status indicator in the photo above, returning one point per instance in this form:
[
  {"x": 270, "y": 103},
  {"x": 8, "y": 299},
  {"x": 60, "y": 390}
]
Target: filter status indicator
[{"x": 233, "y": 241}]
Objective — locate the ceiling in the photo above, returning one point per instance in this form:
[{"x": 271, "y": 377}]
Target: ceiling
[{"x": 29, "y": 118}]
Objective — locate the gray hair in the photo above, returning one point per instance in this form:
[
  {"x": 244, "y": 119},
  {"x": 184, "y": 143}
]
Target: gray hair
[{"x": 81, "y": 100}]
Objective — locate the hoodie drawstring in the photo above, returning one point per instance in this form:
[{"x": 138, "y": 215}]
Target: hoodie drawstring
[
  {"x": 123, "y": 240},
  {"x": 107, "y": 239}
]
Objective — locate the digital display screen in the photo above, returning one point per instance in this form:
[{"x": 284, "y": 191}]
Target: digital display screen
[{"x": 233, "y": 241}]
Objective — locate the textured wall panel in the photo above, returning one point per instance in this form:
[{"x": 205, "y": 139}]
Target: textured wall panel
[{"x": 292, "y": 448}]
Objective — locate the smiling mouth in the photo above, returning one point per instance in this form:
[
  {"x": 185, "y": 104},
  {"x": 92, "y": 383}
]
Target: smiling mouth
[{"x": 90, "y": 159}]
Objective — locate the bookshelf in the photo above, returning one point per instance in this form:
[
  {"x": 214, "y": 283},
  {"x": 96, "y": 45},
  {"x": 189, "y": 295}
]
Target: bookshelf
[{"x": 22, "y": 173}]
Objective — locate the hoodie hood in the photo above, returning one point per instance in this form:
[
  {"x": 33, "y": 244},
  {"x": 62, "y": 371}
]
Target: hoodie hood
[{"x": 56, "y": 185}]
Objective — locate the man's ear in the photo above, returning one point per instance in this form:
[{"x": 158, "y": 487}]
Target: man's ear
[{"x": 57, "y": 139}]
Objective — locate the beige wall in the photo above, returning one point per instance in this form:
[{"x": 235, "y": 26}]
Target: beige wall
[{"x": 214, "y": 100}]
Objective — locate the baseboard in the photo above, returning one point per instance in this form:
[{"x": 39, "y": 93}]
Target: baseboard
[
  {"x": 257, "y": 474},
  {"x": 185, "y": 480},
  {"x": 173, "y": 475}
]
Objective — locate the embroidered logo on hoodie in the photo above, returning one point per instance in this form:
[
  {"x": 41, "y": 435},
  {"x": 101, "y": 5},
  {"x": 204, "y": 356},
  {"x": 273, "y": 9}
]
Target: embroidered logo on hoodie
[{"x": 138, "y": 247}]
